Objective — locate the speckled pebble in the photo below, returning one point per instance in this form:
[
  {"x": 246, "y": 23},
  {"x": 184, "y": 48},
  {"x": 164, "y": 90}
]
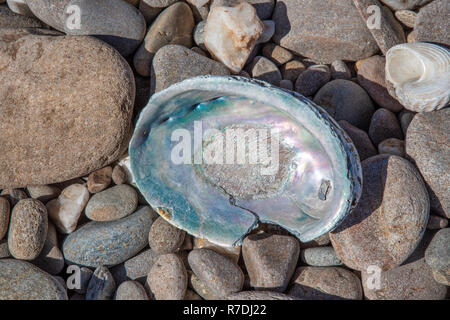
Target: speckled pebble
[
  {"x": 136, "y": 268},
  {"x": 320, "y": 257},
  {"x": 101, "y": 286},
  {"x": 119, "y": 175},
  {"x": 4, "y": 251},
  {"x": 99, "y": 180},
  {"x": 200, "y": 288},
  {"x": 51, "y": 258},
  {"x": 276, "y": 54},
  {"x": 131, "y": 290},
  {"x": 13, "y": 195},
  {"x": 43, "y": 193},
  {"x": 164, "y": 237},
  {"x": 437, "y": 256}
]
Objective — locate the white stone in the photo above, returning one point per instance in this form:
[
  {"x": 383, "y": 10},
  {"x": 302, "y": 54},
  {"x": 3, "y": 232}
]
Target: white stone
[
  {"x": 66, "y": 209},
  {"x": 20, "y": 7},
  {"x": 231, "y": 34}
]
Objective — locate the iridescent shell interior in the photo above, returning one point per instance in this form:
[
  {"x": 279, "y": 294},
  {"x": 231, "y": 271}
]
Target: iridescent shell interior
[{"x": 311, "y": 182}]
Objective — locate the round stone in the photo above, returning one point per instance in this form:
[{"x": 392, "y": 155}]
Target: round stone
[
  {"x": 136, "y": 268},
  {"x": 119, "y": 175},
  {"x": 312, "y": 79},
  {"x": 320, "y": 257},
  {"x": 291, "y": 70},
  {"x": 384, "y": 125},
  {"x": 360, "y": 139},
  {"x": 340, "y": 70},
  {"x": 437, "y": 222},
  {"x": 437, "y": 256},
  {"x": 99, "y": 180},
  {"x": 131, "y": 290},
  {"x": 164, "y": 237},
  {"x": 392, "y": 146}
]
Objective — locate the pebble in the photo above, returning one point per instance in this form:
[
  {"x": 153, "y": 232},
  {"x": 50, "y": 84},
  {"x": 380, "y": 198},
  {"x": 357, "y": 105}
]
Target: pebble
[
  {"x": 432, "y": 23},
  {"x": 312, "y": 79},
  {"x": 43, "y": 193},
  {"x": 164, "y": 237},
  {"x": 109, "y": 243},
  {"x": 360, "y": 139},
  {"x": 371, "y": 76},
  {"x": 99, "y": 180},
  {"x": 97, "y": 124},
  {"x": 136, "y": 268},
  {"x": 20, "y": 7},
  {"x": 437, "y": 256},
  {"x": 436, "y": 222},
  {"x": 287, "y": 84},
  {"x": 13, "y": 195},
  {"x": 340, "y": 70},
  {"x": 50, "y": 258},
  {"x": 407, "y": 17},
  {"x": 5, "y": 210},
  {"x": 345, "y": 100},
  {"x": 392, "y": 146},
  {"x": 199, "y": 35},
  {"x": 264, "y": 8},
  {"x": 405, "y": 4},
  {"x": 427, "y": 143},
  {"x": 269, "y": 31},
  {"x": 151, "y": 8},
  {"x": 259, "y": 295},
  {"x": 325, "y": 283},
  {"x": 101, "y": 286},
  {"x": 4, "y": 251},
  {"x": 112, "y": 204},
  {"x": 85, "y": 278},
  {"x": 265, "y": 70},
  {"x": 389, "y": 32},
  {"x": 276, "y": 54},
  {"x": 114, "y": 21},
  {"x": 384, "y": 125},
  {"x": 200, "y": 9},
  {"x": 174, "y": 63},
  {"x": 221, "y": 275},
  {"x": 232, "y": 253},
  {"x": 321, "y": 241},
  {"x": 199, "y": 286},
  {"x": 270, "y": 260},
  {"x": 168, "y": 278},
  {"x": 390, "y": 218},
  {"x": 39, "y": 285},
  {"x": 28, "y": 229},
  {"x": 9, "y": 19},
  {"x": 405, "y": 117},
  {"x": 320, "y": 257},
  {"x": 119, "y": 175},
  {"x": 324, "y": 31},
  {"x": 291, "y": 70},
  {"x": 66, "y": 210},
  {"x": 131, "y": 290},
  {"x": 173, "y": 26}
]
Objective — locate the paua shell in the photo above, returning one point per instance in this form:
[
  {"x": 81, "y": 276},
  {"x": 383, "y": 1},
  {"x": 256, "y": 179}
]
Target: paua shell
[{"x": 317, "y": 177}]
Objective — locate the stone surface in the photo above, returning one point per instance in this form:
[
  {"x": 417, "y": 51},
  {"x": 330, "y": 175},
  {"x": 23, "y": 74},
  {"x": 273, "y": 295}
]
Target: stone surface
[
  {"x": 50, "y": 258},
  {"x": 390, "y": 218},
  {"x": 200, "y": 288},
  {"x": 173, "y": 26},
  {"x": 340, "y": 70},
  {"x": 437, "y": 222},
  {"x": 291, "y": 70},
  {"x": 13, "y": 195},
  {"x": 231, "y": 34},
  {"x": 114, "y": 21},
  {"x": 119, "y": 175},
  {"x": 371, "y": 76},
  {"x": 101, "y": 286},
  {"x": 109, "y": 243},
  {"x": 43, "y": 193},
  {"x": 320, "y": 257},
  {"x": 389, "y": 31},
  {"x": 405, "y": 4},
  {"x": 277, "y": 54},
  {"x": 136, "y": 268},
  {"x": 265, "y": 70},
  {"x": 5, "y": 210},
  {"x": 270, "y": 260},
  {"x": 437, "y": 256},
  {"x": 199, "y": 38},
  {"x": 111, "y": 204},
  {"x": 151, "y": 8},
  {"x": 324, "y": 31},
  {"x": 405, "y": 117},
  {"x": 259, "y": 295},
  {"x": 392, "y": 146},
  {"x": 231, "y": 252},
  {"x": 312, "y": 79},
  {"x": 321, "y": 241},
  {"x": 28, "y": 229},
  {"x": 66, "y": 210},
  {"x": 221, "y": 275},
  {"x": 345, "y": 100},
  {"x": 164, "y": 237},
  {"x": 20, "y": 7},
  {"x": 287, "y": 84},
  {"x": 432, "y": 23},
  {"x": 99, "y": 180},
  {"x": 9, "y": 19},
  {"x": 264, "y": 8},
  {"x": 174, "y": 63},
  {"x": 89, "y": 134},
  {"x": 168, "y": 279},
  {"x": 427, "y": 143},
  {"x": 407, "y": 17},
  {"x": 39, "y": 285},
  {"x": 131, "y": 290},
  {"x": 360, "y": 139},
  {"x": 4, "y": 251},
  {"x": 325, "y": 283},
  {"x": 384, "y": 125},
  {"x": 191, "y": 295},
  {"x": 269, "y": 30}
]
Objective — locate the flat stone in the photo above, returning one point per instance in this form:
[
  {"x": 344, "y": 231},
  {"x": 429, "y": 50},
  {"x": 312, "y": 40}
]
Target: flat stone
[
  {"x": 325, "y": 283},
  {"x": 312, "y": 79},
  {"x": 259, "y": 295},
  {"x": 174, "y": 63},
  {"x": 64, "y": 65},
  {"x": 221, "y": 275},
  {"x": 164, "y": 237},
  {"x": 371, "y": 76},
  {"x": 407, "y": 17},
  {"x": 436, "y": 222},
  {"x": 116, "y": 22},
  {"x": 51, "y": 258},
  {"x": 340, "y": 70},
  {"x": 101, "y": 286},
  {"x": 270, "y": 260},
  {"x": 277, "y": 54},
  {"x": 131, "y": 290},
  {"x": 384, "y": 125},
  {"x": 360, "y": 139},
  {"x": 9, "y": 19},
  {"x": 324, "y": 31},
  {"x": 168, "y": 279},
  {"x": 345, "y": 100},
  {"x": 389, "y": 219},
  {"x": 392, "y": 146},
  {"x": 432, "y": 23},
  {"x": 5, "y": 210},
  {"x": 437, "y": 256},
  {"x": 43, "y": 193},
  {"x": 427, "y": 143},
  {"x": 320, "y": 257},
  {"x": 66, "y": 210},
  {"x": 265, "y": 70},
  {"x": 136, "y": 268},
  {"x": 109, "y": 243},
  {"x": 38, "y": 284},
  {"x": 405, "y": 4},
  {"x": 27, "y": 229},
  {"x": 173, "y": 26},
  {"x": 291, "y": 70},
  {"x": 99, "y": 180}
]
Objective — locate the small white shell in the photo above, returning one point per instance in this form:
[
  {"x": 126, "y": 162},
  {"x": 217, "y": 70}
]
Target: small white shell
[{"x": 418, "y": 76}]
